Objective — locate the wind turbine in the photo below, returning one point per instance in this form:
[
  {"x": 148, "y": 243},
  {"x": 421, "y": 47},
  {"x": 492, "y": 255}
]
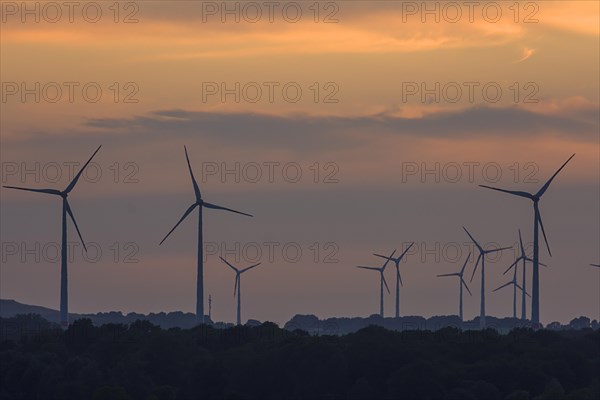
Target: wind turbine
[
  {"x": 523, "y": 257},
  {"x": 237, "y": 287},
  {"x": 537, "y": 222},
  {"x": 201, "y": 204},
  {"x": 461, "y": 282},
  {"x": 515, "y": 286},
  {"x": 482, "y": 254},
  {"x": 398, "y": 277},
  {"x": 66, "y": 209},
  {"x": 383, "y": 282}
]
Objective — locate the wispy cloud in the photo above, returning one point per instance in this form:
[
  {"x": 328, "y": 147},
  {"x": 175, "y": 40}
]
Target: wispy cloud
[
  {"x": 301, "y": 131},
  {"x": 526, "y": 54}
]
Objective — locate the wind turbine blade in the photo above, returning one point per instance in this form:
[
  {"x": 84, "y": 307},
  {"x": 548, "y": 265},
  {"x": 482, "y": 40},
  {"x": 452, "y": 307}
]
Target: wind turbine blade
[
  {"x": 382, "y": 256},
  {"x": 216, "y": 207},
  {"x": 405, "y": 251},
  {"x": 514, "y": 192},
  {"x": 384, "y": 282},
  {"x": 453, "y": 274},
  {"x": 227, "y": 262},
  {"x": 196, "y": 188},
  {"x": 75, "y": 223},
  {"x": 249, "y": 268},
  {"x": 185, "y": 214},
  {"x": 475, "y": 269},
  {"x": 496, "y": 250},
  {"x": 503, "y": 286},
  {"x": 595, "y": 265},
  {"x": 371, "y": 268},
  {"x": 539, "y": 217},
  {"x": 76, "y": 178},
  {"x": 388, "y": 259},
  {"x": 512, "y": 265},
  {"x": 521, "y": 244},
  {"x": 547, "y": 184},
  {"x": 464, "y": 265},
  {"x": 235, "y": 285},
  {"x": 399, "y": 277},
  {"x": 531, "y": 261},
  {"x": 473, "y": 240},
  {"x": 47, "y": 191},
  {"x": 466, "y": 287},
  {"x": 521, "y": 289},
  {"x": 391, "y": 257}
]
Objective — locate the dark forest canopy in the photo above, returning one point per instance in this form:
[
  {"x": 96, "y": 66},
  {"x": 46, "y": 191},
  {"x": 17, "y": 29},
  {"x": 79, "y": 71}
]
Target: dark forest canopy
[{"x": 144, "y": 361}]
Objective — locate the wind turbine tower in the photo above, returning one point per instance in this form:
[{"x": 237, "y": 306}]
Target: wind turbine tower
[
  {"x": 66, "y": 210},
  {"x": 398, "y": 277},
  {"x": 515, "y": 285},
  {"x": 238, "y": 286},
  {"x": 201, "y": 204},
  {"x": 523, "y": 257},
  {"x": 461, "y": 283},
  {"x": 537, "y": 223},
  {"x": 482, "y": 254},
  {"x": 382, "y": 282}
]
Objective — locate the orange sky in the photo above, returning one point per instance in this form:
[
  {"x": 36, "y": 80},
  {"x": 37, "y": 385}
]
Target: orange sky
[{"x": 546, "y": 64}]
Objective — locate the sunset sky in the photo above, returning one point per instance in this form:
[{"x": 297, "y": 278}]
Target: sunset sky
[{"x": 362, "y": 122}]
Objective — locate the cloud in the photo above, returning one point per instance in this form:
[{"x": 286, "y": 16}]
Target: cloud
[
  {"x": 525, "y": 54},
  {"x": 167, "y": 33},
  {"x": 302, "y": 132}
]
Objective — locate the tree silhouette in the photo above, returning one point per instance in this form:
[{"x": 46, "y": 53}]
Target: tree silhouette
[{"x": 142, "y": 361}]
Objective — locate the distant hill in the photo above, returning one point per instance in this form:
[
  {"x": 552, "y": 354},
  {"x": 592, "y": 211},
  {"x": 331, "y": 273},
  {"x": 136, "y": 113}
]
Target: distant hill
[
  {"x": 309, "y": 323},
  {"x": 10, "y": 308},
  {"x": 342, "y": 326}
]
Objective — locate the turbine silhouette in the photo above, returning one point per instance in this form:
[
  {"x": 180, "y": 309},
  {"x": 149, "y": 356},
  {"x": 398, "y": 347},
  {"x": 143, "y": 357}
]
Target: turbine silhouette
[
  {"x": 382, "y": 282},
  {"x": 461, "y": 283},
  {"x": 482, "y": 254},
  {"x": 523, "y": 257},
  {"x": 66, "y": 209},
  {"x": 398, "y": 277},
  {"x": 201, "y": 204},
  {"x": 515, "y": 286},
  {"x": 537, "y": 223},
  {"x": 237, "y": 286}
]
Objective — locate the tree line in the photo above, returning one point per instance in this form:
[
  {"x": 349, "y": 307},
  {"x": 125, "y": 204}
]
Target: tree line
[{"x": 143, "y": 361}]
